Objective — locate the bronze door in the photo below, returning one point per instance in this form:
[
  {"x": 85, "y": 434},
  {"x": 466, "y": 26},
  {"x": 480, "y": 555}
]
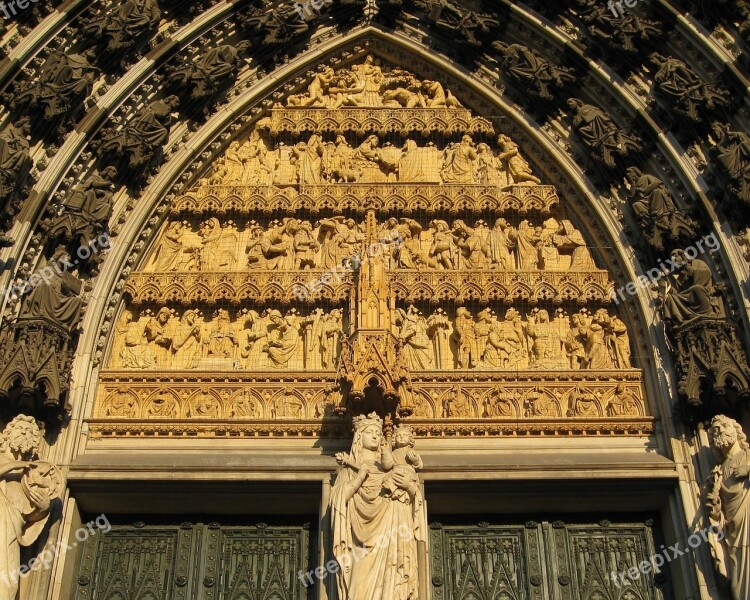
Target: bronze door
[
  {"x": 542, "y": 561},
  {"x": 195, "y": 562}
]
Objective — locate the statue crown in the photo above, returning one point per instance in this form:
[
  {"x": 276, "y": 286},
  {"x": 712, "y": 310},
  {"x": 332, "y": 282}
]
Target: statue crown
[{"x": 362, "y": 421}]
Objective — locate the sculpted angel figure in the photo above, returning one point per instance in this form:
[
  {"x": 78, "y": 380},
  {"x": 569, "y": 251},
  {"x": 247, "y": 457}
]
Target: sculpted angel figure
[{"x": 377, "y": 516}]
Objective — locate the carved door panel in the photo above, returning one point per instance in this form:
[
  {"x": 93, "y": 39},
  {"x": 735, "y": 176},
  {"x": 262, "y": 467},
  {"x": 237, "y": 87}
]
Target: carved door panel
[
  {"x": 541, "y": 561},
  {"x": 194, "y": 562}
]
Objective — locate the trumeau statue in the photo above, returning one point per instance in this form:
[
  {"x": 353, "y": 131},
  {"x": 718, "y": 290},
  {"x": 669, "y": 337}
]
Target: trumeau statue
[
  {"x": 729, "y": 504},
  {"x": 27, "y": 487},
  {"x": 377, "y": 515}
]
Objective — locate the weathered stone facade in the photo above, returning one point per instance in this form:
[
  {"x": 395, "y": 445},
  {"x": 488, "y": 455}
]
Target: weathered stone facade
[{"x": 237, "y": 235}]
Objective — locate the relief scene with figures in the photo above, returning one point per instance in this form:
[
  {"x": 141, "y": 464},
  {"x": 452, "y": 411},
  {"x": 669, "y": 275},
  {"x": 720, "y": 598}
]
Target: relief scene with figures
[{"x": 415, "y": 266}]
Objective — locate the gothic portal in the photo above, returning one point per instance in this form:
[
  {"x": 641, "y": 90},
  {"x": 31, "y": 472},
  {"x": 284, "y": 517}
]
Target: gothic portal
[{"x": 374, "y": 300}]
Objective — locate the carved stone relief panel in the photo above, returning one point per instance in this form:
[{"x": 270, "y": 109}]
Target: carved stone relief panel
[
  {"x": 368, "y": 244},
  {"x": 245, "y": 340}
]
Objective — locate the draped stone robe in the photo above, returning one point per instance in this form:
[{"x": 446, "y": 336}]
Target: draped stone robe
[
  {"x": 735, "y": 503},
  {"x": 375, "y": 537}
]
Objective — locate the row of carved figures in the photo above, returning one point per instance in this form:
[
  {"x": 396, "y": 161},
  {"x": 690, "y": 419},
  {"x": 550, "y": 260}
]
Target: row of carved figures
[
  {"x": 581, "y": 341},
  {"x": 253, "y": 341},
  {"x": 317, "y": 162},
  {"x": 294, "y": 244},
  {"x": 271, "y": 340},
  {"x": 367, "y": 85}
]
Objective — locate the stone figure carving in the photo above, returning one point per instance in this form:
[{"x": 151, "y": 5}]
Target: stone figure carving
[
  {"x": 538, "y": 341},
  {"x": 219, "y": 245},
  {"x": 267, "y": 340},
  {"x": 310, "y": 160},
  {"x": 623, "y": 403},
  {"x": 517, "y": 167},
  {"x": 538, "y": 76},
  {"x": 655, "y": 210},
  {"x": 280, "y": 24},
  {"x": 465, "y": 335},
  {"x": 158, "y": 332},
  {"x": 331, "y": 336},
  {"x": 204, "y": 77},
  {"x": 457, "y": 20},
  {"x": 414, "y": 342},
  {"x": 222, "y": 339},
  {"x": 86, "y": 213},
  {"x": 15, "y": 162},
  {"x": 172, "y": 254},
  {"x": 283, "y": 341},
  {"x": 187, "y": 340},
  {"x": 402, "y": 452},
  {"x": 692, "y": 292},
  {"x": 141, "y": 138},
  {"x": 627, "y": 33},
  {"x": 120, "y": 27},
  {"x": 582, "y": 404},
  {"x": 473, "y": 248},
  {"x": 729, "y": 503},
  {"x": 134, "y": 352},
  {"x": 57, "y": 298},
  {"x": 64, "y": 81},
  {"x": 689, "y": 95},
  {"x": 459, "y": 162},
  {"x": 604, "y": 139},
  {"x": 27, "y": 488},
  {"x": 732, "y": 153},
  {"x": 377, "y": 512}
]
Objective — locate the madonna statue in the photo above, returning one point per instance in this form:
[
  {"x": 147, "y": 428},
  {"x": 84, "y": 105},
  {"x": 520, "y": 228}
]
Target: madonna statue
[{"x": 377, "y": 514}]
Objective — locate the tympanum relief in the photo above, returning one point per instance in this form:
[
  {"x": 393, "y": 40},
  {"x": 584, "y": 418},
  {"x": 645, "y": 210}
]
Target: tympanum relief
[
  {"x": 292, "y": 244},
  {"x": 244, "y": 340},
  {"x": 370, "y": 244}
]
